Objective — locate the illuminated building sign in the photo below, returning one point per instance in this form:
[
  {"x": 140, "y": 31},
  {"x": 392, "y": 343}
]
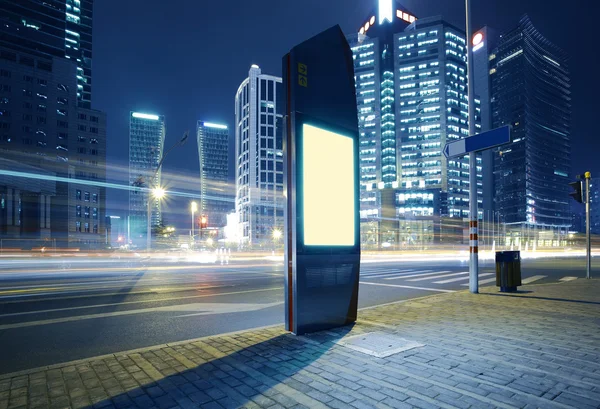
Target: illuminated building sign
[
  {"x": 405, "y": 16},
  {"x": 328, "y": 188},
  {"x": 477, "y": 41},
  {"x": 145, "y": 116},
  {"x": 386, "y": 11}
]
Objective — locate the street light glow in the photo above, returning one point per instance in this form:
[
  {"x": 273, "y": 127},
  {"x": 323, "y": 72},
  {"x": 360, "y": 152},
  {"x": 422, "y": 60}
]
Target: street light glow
[
  {"x": 158, "y": 192},
  {"x": 194, "y": 206},
  {"x": 276, "y": 234}
]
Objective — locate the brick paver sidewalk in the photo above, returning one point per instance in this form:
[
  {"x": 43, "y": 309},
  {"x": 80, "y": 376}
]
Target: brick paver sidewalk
[{"x": 535, "y": 349}]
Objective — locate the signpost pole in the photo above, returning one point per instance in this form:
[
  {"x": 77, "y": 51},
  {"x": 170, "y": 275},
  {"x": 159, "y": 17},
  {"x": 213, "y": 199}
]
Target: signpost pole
[
  {"x": 587, "y": 225},
  {"x": 473, "y": 238}
]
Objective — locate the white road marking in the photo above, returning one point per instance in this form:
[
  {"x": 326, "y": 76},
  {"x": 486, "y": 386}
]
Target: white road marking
[
  {"x": 568, "y": 278},
  {"x": 441, "y": 274},
  {"x": 396, "y": 273},
  {"x": 383, "y": 271},
  {"x": 410, "y": 287},
  {"x": 532, "y": 279},
  {"x": 179, "y": 307},
  {"x": 489, "y": 280},
  {"x": 459, "y": 279},
  {"x": 419, "y": 273}
]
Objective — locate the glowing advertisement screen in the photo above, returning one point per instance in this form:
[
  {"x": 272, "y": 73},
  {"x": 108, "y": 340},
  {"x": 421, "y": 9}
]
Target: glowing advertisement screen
[{"x": 328, "y": 185}]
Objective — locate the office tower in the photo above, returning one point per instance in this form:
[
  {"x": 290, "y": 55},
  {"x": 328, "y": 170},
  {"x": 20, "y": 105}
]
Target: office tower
[
  {"x": 43, "y": 130},
  {"x": 411, "y": 90},
  {"x": 484, "y": 41},
  {"x": 57, "y": 28},
  {"x": 259, "y": 158},
  {"x": 146, "y": 144},
  {"x": 216, "y": 196},
  {"x": 531, "y": 92},
  {"x": 88, "y": 153}
]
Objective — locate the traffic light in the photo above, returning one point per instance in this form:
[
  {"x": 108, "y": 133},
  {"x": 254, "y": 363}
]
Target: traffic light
[
  {"x": 577, "y": 194},
  {"x": 203, "y": 221}
]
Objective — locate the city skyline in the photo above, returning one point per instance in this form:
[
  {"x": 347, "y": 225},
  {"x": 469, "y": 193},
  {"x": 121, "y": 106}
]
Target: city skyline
[{"x": 225, "y": 80}]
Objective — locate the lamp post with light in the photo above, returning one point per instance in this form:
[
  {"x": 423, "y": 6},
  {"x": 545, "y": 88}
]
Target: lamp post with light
[
  {"x": 194, "y": 208},
  {"x": 276, "y": 236},
  {"x": 157, "y": 191}
]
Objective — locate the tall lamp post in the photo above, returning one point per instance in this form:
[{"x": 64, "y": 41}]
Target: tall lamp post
[
  {"x": 194, "y": 209},
  {"x": 157, "y": 191}
]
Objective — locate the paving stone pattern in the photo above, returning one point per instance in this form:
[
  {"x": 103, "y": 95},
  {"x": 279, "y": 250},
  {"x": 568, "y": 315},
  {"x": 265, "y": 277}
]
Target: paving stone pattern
[{"x": 539, "y": 349}]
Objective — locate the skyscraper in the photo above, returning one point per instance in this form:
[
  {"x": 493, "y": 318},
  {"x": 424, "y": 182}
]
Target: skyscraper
[
  {"x": 531, "y": 92},
  {"x": 46, "y": 51},
  {"x": 411, "y": 91},
  {"x": 42, "y": 126},
  {"x": 259, "y": 158},
  {"x": 58, "y": 28},
  {"x": 484, "y": 41},
  {"x": 216, "y": 197},
  {"x": 146, "y": 144}
]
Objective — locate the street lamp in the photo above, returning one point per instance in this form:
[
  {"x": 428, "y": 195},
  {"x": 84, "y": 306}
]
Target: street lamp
[
  {"x": 157, "y": 191},
  {"x": 276, "y": 236},
  {"x": 194, "y": 209}
]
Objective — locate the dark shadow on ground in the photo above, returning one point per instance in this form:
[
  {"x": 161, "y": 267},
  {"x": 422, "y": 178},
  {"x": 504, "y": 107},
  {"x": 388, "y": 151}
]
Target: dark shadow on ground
[
  {"x": 542, "y": 298},
  {"x": 255, "y": 373}
]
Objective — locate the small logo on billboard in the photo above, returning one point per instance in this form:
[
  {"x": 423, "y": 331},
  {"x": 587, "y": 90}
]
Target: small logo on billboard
[{"x": 302, "y": 75}]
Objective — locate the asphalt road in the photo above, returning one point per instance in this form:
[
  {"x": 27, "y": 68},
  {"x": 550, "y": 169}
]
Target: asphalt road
[{"x": 52, "y": 312}]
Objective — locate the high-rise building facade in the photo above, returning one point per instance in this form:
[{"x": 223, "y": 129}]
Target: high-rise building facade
[
  {"x": 531, "y": 92},
  {"x": 146, "y": 144},
  {"x": 484, "y": 41},
  {"x": 259, "y": 158},
  {"x": 57, "y": 28},
  {"x": 411, "y": 89},
  {"x": 216, "y": 196},
  {"x": 42, "y": 127}
]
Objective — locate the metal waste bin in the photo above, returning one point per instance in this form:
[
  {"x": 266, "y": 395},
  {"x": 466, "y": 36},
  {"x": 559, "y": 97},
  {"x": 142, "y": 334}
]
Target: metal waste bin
[{"x": 508, "y": 270}]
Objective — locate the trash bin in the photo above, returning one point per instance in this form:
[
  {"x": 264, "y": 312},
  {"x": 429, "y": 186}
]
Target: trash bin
[{"x": 508, "y": 270}]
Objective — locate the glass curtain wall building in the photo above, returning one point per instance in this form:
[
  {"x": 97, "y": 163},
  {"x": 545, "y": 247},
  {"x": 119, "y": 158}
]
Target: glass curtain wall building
[
  {"x": 146, "y": 144},
  {"x": 216, "y": 202},
  {"x": 259, "y": 159},
  {"x": 411, "y": 90},
  {"x": 531, "y": 92},
  {"x": 57, "y": 28}
]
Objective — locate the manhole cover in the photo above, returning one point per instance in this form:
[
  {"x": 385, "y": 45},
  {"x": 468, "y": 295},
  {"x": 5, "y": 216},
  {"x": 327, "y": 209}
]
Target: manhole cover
[{"x": 379, "y": 344}]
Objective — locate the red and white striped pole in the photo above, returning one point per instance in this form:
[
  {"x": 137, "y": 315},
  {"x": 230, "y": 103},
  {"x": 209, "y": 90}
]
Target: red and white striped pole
[{"x": 473, "y": 214}]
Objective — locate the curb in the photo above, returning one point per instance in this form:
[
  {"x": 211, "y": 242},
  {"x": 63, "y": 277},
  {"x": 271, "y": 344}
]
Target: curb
[{"x": 187, "y": 341}]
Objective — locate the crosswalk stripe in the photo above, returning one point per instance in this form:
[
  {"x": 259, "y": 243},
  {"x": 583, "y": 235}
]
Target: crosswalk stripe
[
  {"x": 397, "y": 274},
  {"x": 460, "y": 279},
  {"x": 532, "y": 279},
  {"x": 568, "y": 279},
  {"x": 410, "y": 287},
  {"x": 383, "y": 272},
  {"x": 419, "y": 273},
  {"x": 440, "y": 276},
  {"x": 486, "y": 281}
]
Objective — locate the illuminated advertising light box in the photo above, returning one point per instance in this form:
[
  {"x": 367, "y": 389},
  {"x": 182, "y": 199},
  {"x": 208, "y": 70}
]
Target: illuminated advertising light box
[
  {"x": 321, "y": 184},
  {"x": 328, "y": 181}
]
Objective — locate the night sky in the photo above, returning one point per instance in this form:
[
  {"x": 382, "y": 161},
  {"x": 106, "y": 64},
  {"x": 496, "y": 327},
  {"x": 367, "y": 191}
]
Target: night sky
[{"x": 186, "y": 59}]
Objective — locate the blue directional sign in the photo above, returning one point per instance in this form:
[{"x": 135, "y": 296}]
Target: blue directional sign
[{"x": 479, "y": 142}]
